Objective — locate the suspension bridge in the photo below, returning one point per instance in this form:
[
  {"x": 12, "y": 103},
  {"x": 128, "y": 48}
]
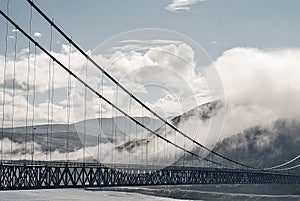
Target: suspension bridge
[{"x": 31, "y": 162}]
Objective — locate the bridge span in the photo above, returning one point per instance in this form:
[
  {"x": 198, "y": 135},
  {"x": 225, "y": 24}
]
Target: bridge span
[
  {"x": 17, "y": 175},
  {"x": 67, "y": 173}
]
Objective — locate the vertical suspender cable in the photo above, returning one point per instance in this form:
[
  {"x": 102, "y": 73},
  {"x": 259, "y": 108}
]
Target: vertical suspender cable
[
  {"x": 129, "y": 134},
  {"x": 68, "y": 104},
  {"x": 14, "y": 87},
  {"x": 175, "y": 149},
  {"x": 124, "y": 140},
  {"x": 52, "y": 112},
  {"x": 11, "y": 141},
  {"x": 154, "y": 144},
  {"x": 113, "y": 134},
  {"x": 4, "y": 84},
  {"x": 99, "y": 130},
  {"x": 33, "y": 103},
  {"x": 166, "y": 145},
  {"x": 101, "y": 125},
  {"x": 112, "y": 130},
  {"x": 28, "y": 88},
  {"x": 115, "y": 125},
  {"x": 235, "y": 157},
  {"x": 84, "y": 122},
  {"x": 156, "y": 148},
  {"x": 184, "y": 146},
  {"x": 136, "y": 142},
  {"x": 49, "y": 95},
  {"x": 143, "y": 138}
]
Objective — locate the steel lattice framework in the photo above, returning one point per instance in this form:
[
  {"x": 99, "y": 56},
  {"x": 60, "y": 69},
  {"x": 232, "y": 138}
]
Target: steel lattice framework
[{"x": 17, "y": 175}]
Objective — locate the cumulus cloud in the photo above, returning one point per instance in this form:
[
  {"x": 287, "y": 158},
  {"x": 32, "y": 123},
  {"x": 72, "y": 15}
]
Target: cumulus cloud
[
  {"x": 15, "y": 80},
  {"x": 181, "y": 5},
  {"x": 136, "y": 70},
  {"x": 142, "y": 70}
]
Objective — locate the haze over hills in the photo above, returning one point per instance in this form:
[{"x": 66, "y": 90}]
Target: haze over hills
[
  {"x": 264, "y": 146},
  {"x": 257, "y": 146},
  {"x": 58, "y": 132}
]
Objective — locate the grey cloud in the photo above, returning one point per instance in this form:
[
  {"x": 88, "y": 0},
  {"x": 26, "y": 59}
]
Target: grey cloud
[{"x": 13, "y": 83}]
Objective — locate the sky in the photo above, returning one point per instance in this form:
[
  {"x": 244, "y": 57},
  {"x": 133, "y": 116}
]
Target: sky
[
  {"x": 217, "y": 25},
  {"x": 250, "y": 50}
]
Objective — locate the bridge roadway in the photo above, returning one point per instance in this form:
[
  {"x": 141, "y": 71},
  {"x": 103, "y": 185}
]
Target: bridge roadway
[{"x": 18, "y": 175}]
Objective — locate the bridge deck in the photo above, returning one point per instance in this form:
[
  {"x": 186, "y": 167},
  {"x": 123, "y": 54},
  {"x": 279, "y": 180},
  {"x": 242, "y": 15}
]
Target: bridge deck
[{"x": 58, "y": 174}]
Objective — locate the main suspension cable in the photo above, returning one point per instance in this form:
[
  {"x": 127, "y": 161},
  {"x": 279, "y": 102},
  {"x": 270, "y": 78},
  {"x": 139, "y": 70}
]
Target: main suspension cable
[
  {"x": 98, "y": 94},
  {"x": 289, "y": 168},
  {"x": 126, "y": 91},
  {"x": 283, "y": 164}
]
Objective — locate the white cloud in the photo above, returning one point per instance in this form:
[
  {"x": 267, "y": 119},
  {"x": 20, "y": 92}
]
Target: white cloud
[
  {"x": 37, "y": 34},
  {"x": 261, "y": 86},
  {"x": 181, "y": 5},
  {"x": 162, "y": 59},
  {"x": 135, "y": 70},
  {"x": 41, "y": 63}
]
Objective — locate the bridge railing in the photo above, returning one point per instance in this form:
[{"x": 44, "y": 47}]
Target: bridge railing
[{"x": 134, "y": 167}]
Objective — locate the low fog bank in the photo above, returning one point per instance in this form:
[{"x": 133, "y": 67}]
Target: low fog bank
[{"x": 264, "y": 146}]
